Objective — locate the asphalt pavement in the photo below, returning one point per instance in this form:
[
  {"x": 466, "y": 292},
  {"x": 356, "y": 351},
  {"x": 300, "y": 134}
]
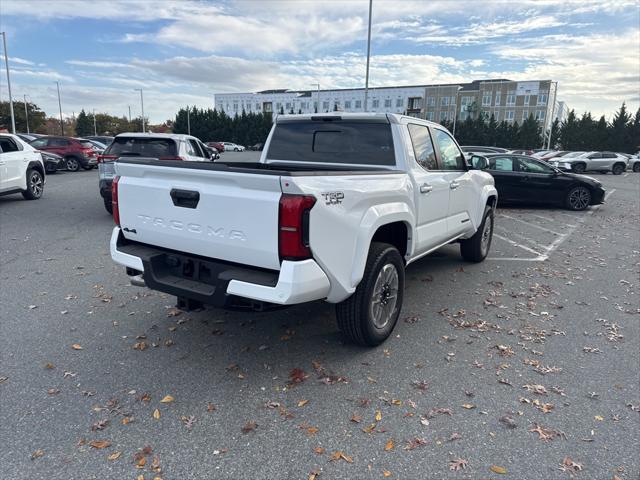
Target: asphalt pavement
[{"x": 524, "y": 366}]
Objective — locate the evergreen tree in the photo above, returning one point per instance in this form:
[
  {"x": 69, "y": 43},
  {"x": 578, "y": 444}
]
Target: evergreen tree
[
  {"x": 529, "y": 134},
  {"x": 619, "y": 140},
  {"x": 568, "y": 135},
  {"x": 84, "y": 124}
]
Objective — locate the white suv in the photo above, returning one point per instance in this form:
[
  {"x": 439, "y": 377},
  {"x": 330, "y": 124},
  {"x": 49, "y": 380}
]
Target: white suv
[
  {"x": 21, "y": 168},
  {"x": 234, "y": 147}
]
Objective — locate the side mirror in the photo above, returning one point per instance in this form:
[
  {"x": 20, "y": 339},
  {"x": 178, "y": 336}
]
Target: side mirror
[{"x": 478, "y": 162}]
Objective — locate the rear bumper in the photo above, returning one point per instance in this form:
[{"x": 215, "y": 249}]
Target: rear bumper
[{"x": 217, "y": 282}]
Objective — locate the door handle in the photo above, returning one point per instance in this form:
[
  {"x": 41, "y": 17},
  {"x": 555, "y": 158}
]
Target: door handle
[
  {"x": 453, "y": 185},
  {"x": 425, "y": 188},
  {"x": 185, "y": 198}
]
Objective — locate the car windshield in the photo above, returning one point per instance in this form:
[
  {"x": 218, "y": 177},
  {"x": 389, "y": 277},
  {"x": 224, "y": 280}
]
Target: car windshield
[
  {"x": 144, "y": 147},
  {"x": 344, "y": 142}
]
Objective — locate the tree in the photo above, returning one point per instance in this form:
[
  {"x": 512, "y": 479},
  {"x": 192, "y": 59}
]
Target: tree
[
  {"x": 529, "y": 134},
  {"x": 618, "y": 133},
  {"x": 36, "y": 117},
  {"x": 568, "y": 135},
  {"x": 84, "y": 125}
]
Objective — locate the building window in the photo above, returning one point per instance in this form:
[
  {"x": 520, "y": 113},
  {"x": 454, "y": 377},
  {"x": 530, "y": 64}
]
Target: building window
[
  {"x": 315, "y": 106},
  {"x": 375, "y": 103},
  {"x": 527, "y": 98},
  {"x": 540, "y": 115},
  {"x": 444, "y": 102},
  {"x": 508, "y": 116},
  {"x": 336, "y": 106},
  {"x": 399, "y": 103},
  {"x": 257, "y": 106},
  {"x": 325, "y": 105},
  {"x": 235, "y": 107},
  {"x": 486, "y": 99},
  {"x": 443, "y": 116},
  {"x": 347, "y": 104},
  {"x": 511, "y": 99},
  {"x": 497, "y": 99},
  {"x": 430, "y": 116},
  {"x": 358, "y": 103},
  {"x": 387, "y": 103},
  {"x": 525, "y": 115},
  {"x": 287, "y": 106},
  {"x": 542, "y": 99},
  {"x": 220, "y": 106},
  {"x": 496, "y": 115},
  {"x": 432, "y": 101},
  {"x": 465, "y": 100},
  {"x": 415, "y": 103},
  {"x": 278, "y": 106}
]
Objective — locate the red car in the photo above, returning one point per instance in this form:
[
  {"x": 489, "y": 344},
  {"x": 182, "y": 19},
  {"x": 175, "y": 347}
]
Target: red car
[
  {"x": 75, "y": 151},
  {"x": 217, "y": 145}
]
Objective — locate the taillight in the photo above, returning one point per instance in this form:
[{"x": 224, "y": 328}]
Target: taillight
[
  {"x": 114, "y": 200},
  {"x": 293, "y": 226},
  {"x": 106, "y": 158}
]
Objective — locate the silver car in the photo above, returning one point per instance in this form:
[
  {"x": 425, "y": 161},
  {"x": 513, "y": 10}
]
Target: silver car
[{"x": 594, "y": 161}]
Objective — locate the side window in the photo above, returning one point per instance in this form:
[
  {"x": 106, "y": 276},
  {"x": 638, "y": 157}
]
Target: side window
[
  {"x": 41, "y": 142},
  {"x": 501, "y": 164},
  {"x": 58, "y": 142},
  {"x": 189, "y": 149},
  {"x": 423, "y": 146},
  {"x": 595, "y": 155},
  {"x": 195, "y": 147},
  {"x": 450, "y": 155},
  {"x": 8, "y": 145},
  {"x": 533, "y": 166}
]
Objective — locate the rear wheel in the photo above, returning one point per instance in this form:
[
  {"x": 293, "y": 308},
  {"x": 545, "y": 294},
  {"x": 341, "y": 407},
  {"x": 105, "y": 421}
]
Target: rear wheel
[
  {"x": 618, "y": 168},
  {"x": 72, "y": 164},
  {"x": 579, "y": 167},
  {"x": 88, "y": 167},
  {"x": 636, "y": 167},
  {"x": 578, "y": 198},
  {"x": 35, "y": 185},
  {"x": 108, "y": 206},
  {"x": 476, "y": 248},
  {"x": 370, "y": 314}
]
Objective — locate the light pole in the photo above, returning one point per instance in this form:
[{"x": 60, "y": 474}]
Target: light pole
[
  {"x": 6, "y": 64},
  {"x": 366, "y": 82},
  {"x": 26, "y": 113},
  {"x": 455, "y": 113},
  {"x": 129, "y": 113},
  {"x": 95, "y": 130},
  {"x": 188, "y": 121},
  {"x": 60, "y": 109},
  {"x": 551, "y": 119},
  {"x": 141, "y": 106}
]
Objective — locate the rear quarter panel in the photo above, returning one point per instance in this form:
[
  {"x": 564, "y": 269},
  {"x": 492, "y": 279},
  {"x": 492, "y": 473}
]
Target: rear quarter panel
[{"x": 340, "y": 232}]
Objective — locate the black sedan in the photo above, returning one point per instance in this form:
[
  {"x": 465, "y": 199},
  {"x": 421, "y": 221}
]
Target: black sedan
[
  {"x": 52, "y": 162},
  {"x": 523, "y": 179}
]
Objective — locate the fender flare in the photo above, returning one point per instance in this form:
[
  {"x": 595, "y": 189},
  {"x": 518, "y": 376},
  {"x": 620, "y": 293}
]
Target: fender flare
[
  {"x": 35, "y": 165},
  {"x": 374, "y": 218}
]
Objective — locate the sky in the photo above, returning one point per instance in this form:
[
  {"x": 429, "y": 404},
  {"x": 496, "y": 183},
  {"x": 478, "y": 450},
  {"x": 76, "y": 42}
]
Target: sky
[{"x": 183, "y": 52}]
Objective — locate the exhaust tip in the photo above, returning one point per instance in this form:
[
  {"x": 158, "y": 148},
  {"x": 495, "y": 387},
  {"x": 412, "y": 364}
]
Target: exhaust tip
[{"x": 138, "y": 281}]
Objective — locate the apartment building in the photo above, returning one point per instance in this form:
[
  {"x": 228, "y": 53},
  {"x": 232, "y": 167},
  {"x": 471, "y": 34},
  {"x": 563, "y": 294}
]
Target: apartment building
[{"x": 504, "y": 99}]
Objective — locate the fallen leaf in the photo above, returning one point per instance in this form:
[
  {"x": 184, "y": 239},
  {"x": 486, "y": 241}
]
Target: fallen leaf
[
  {"x": 302, "y": 403},
  {"x": 414, "y": 443},
  {"x": 100, "y": 425},
  {"x": 156, "y": 414},
  {"x": 356, "y": 418},
  {"x": 498, "y": 469},
  {"x": 370, "y": 428},
  {"x": 389, "y": 445},
  {"x": 458, "y": 464},
  {"x": 318, "y": 450},
  {"x": 468, "y": 406},
  {"x": 37, "y": 454},
  {"x": 167, "y": 399},
  {"x": 100, "y": 444},
  {"x": 49, "y": 366},
  {"x": 568, "y": 465},
  {"x": 126, "y": 420},
  {"x": 249, "y": 427},
  {"x": 142, "y": 461},
  {"x": 297, "y": 375},
  {"x": 114, "y": 456},
  {"x": 313, "y": 474},
  {"x": 338, "y": 455},
  {"x": 76, "y": 346},
  {"x": 140, "y": 346},
  {"x": 378, "y": 416},
  {"x": 211, "y": 407},
  {"x": 600, "y": 418},
  {"x": 386, "y": 473}
]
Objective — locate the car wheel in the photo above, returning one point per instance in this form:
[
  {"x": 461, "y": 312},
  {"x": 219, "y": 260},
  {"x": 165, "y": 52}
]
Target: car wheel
[
  {"x": 476, "y": 248},
  {"x": 578, "y": 198},
  {"x": 370, "y": 314},
  {"x": 578, "y": 167},
  {"x": 636, "y": 167},
  {"x": 35, "y": 185},
  {"x": 72, "y": 164},
  {"x": 108, "y": 206},
  {"x": 236, "y": 149},
  {"x": 618, "y": 168}
]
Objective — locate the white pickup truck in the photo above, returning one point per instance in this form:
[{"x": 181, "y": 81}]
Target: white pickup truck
[{"x": 337, "y": 207}]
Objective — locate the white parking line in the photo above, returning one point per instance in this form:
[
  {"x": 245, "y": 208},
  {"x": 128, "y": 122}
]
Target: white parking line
[
  {"x": 524, "y": 239},
  {"x": 553, "y": 246},
  {"x": 534, "y": 225}
]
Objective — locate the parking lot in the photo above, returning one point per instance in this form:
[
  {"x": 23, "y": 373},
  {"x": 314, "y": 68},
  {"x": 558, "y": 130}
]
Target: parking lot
[{"x": 501, "y": 369}]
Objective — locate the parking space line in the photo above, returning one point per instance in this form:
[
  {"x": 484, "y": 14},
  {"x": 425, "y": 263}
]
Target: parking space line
[
  {"x": 534, "y": 225},
  {"x": 552, "y": 220},
  {"x": 524, "y": 239},
  {"x": 516, "y": 244}
]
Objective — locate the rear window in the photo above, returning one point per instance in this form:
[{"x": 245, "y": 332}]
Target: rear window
[
  {"x": 143, "y": 147},
  {"x": 346, "y": 142}
]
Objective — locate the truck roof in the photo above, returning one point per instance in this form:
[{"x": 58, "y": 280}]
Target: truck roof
[
  {"x": 173, "y": 136},
  {"x": 379, "y": 116}
]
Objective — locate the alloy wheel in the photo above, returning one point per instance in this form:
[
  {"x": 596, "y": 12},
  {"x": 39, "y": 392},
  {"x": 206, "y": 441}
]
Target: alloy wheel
[
  {"x": 36, "y": 184},
  {"x": 579, "y": 198},
  {"x": 384, "y": 296}
]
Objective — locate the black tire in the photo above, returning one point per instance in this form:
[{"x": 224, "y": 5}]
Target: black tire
[
  {"x": 72, "y": 164},
  {"x": 618, "y": 168},
  {"x": 236, "y": 149},
  {"x": 35, "y": 185},
  {"x": 476, "y": 248},
  {"x": 578, "y": 198},
  {"x": 108, "y": 206},
  {"x": 636, "y": 167},
  {"x": 354, "y": 315},
  {"x": 578, "y": 167}
]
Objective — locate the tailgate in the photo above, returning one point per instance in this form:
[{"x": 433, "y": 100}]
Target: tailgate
[{"x": 230, "y": 216}]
